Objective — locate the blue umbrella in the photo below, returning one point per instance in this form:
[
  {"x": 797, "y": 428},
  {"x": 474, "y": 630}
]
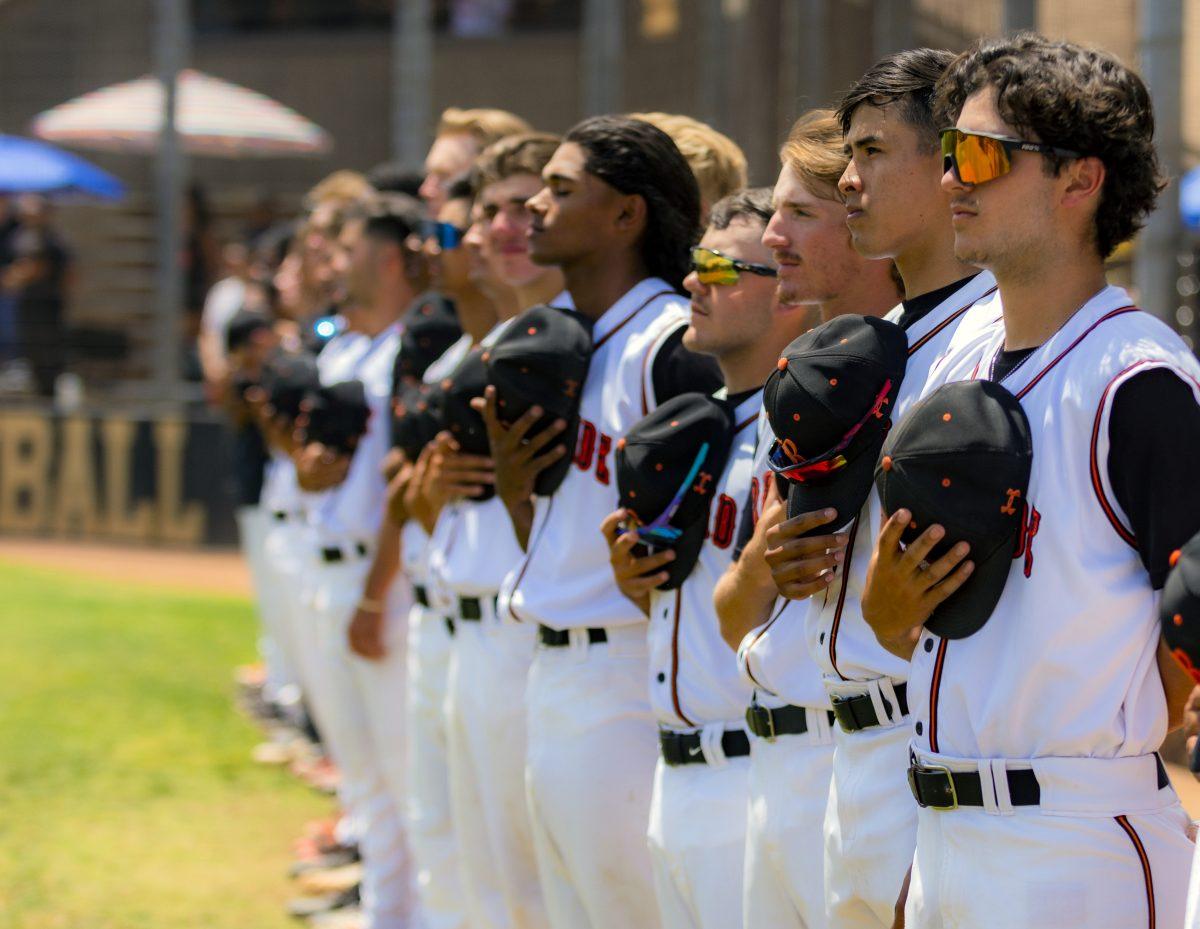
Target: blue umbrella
[
  {"x": 1189, "y": 199},
  {"x": 27, "y": 166}
]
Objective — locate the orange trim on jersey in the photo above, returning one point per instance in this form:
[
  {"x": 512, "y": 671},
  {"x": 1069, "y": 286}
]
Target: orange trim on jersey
[
  {"x": 744, "y": 423},
  {"x": 1070, "y": 348},
  {"x": 934, "y": 686},
  {"x": 1147, "y": 875},
  {"x": 623, "y": 323},
  {"x": 525, "y": 567},
  {"x": 921, "y": 342},
  {"x": 675, "y": 659},
  {"x": 837, "y": 613}
]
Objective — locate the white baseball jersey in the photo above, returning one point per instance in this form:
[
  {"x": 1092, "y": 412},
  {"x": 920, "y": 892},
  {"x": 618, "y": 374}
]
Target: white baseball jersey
[
  {"x": 353, "y": 510},
  {"x": 414, "y": 540},
  {"x": 565, "y": 580},
  {"x": 280, "y": 491},
  {"x": 693, "y": 678},
  {"x": 1066, "y": 665}
]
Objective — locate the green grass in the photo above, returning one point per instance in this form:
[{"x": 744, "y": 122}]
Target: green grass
[{"x": 127, "y": 798}]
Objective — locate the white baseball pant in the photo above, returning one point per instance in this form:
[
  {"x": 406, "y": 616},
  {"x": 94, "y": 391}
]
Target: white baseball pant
[
  {"x": 359, "y": 719},
  {"x": 1046, "y": 867},
  {"x": 1193, "y": 898},
  {"x": 697, "y": 838},
  {"x": 427, "y": 810},
  {"x": 254, "y": 523},
  {"x": 870, "y": 827},
  {"x": 785, "y": 849},
  {"x": 287, "y": 550},
  {"x": 485, "y": 720},
  {"x": 590, "y": 770}
]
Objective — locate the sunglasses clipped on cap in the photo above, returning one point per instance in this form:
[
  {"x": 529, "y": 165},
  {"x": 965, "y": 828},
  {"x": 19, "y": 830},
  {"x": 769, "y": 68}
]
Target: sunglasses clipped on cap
[
  {"x": 712, "y": 267},
  {"x": 978, "y": 157},
  {"x": 659, "y": 531},
  {"x": 448, "y": 235},
  {"x": 789, "y": 464}
]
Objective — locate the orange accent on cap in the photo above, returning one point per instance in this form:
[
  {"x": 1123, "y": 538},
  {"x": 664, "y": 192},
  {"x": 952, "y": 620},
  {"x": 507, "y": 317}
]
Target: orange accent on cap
[
  {"x": 674, "y": 422},
  {"x": 1174, "y": 559},
  {"x": 486, "y": 355},
  {"x": 524, "y": 370},
  {"x": 531, "y": 330},
  {"x": 886, "y": 463},
  {"x": 632, "y": 493},
  {"x": 620, "y": 444},
  {"x": 945, "y": 482},
  {"x": 912, "y": 524},
  {"x": 833, "y": 382},
  {"x": 795, "y": 417},
  {"x": 946, "y": 417},
  {"x": 781, "y": 364},
  {"x": 658, "y": 467},
  {"x": 1177, "y": 619},
  {"x": 447, "y": 383},
  {"x": 843, "y": 342}
]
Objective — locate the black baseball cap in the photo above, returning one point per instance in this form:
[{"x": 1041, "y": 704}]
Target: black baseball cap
[
  {"x": 672, "y": 460},
  {"x": 286, "y": 378},
  {"x": 416, "y": 417},
  {"x": 1179, "y": 609},
  {"x": 336, "y": 415},
  {"x": 242, "y": 326},
  {"x": 829, "y": 403},
  {"x": 465, "y": 424},
  {"x": 961, "y": 458},
  {"x": 542, "y": 359},
  {"x": 430, "y": 327}
]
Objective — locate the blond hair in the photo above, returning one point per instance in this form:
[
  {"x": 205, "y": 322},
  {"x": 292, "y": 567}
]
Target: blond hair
[
  {"x": 813, "y": 151},
  {"x": 339, "y": 189},
  {"x": 483, "y": 125},
  {"x": 715, "y": 159}
]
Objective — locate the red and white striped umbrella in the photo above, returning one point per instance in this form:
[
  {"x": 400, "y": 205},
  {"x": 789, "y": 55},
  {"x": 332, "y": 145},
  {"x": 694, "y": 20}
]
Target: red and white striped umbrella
[{"x": 213, "y": 117}]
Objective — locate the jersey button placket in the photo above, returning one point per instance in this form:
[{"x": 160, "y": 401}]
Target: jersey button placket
[{"x": 661, "y": 677}]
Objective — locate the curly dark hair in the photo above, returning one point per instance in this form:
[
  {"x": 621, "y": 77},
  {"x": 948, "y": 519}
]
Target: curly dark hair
[
  {"x": 634, "y": 157},
  {"x": 906, "y": 79},
  {"x": 1072, "y": 97}
]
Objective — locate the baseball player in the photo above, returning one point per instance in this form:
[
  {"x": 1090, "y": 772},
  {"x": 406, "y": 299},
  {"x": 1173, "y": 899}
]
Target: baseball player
[
  {"x": 472, "y": 550},
  {"x": 361, "y": 642},
  {"x": 698, "y": 809},
  {"x": 717, "y": 161},
  {"x": 792, "y": 745},
  {"x": 617, "y": 214},
  {"x": 460, "y": 136},
  {"x": 1035, "y": 723}
]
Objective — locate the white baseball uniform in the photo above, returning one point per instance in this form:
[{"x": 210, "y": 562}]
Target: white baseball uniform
[
  {"x": 591, "y": 734},
  {"x": 357, "y": 710},
  {"x": 1062, "y": 680},
  {"x": 789, "y": 775},
  {"x": 697, "y": 830},
  {"x": 427, "y": 810},
  {"x": 472, "y": 548}
]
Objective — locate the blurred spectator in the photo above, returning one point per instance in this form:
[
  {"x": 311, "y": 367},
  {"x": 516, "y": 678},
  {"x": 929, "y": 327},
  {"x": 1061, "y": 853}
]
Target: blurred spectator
[
  {"x": 224, "y": 299},
  {"x": 37, "y": 280},
  {"x": 263, "y": 217},
  {"x": 201, "y": 254},
  {"x": 8, "y": 303}
]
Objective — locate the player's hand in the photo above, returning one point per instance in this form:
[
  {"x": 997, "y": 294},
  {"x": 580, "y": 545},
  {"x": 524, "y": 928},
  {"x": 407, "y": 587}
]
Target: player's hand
[
  {"x": 452, "y": 474},
  {"x": 393, "y": 461},
  {"x": 636, "y": 576},
  {"x": 319, "y": 468},
  {"x": 1191, "y": 729},
  {"x": 366, "y": 634},
  {"x": 801, "y": 567},
  {"x": 518, "y": 457},
  {"x": 416, "y": 499},
  {"x": 903, "y": 589}
]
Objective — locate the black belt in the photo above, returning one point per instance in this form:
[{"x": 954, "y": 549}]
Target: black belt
[
  {"x": 680, "y": 748},
  {"x": 471, "y": 608},
  {"x": 421, "y": 594},
  {"x": 939, "y": 788},
  {"x": 332, "y": 554},
  {"x": 857, "y": 713},
  {"x": 560, "y": 638},
  {"x": 449, "y": 625},
  {"x": 282, "y": 516},
  {"x": 785, "y": 720}
]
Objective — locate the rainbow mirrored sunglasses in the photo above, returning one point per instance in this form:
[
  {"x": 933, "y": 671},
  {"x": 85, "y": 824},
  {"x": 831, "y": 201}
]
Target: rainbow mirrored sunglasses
[
  {"x": 712, "y": 267},
  {"x": 789, "y": 464},
  {"x": 979, "y": 157},
  {"x": 660, "y": 531},
  {"x": 447, "y": 235}
]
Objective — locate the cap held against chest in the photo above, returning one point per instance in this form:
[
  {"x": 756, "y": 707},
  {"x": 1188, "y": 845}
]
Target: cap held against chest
[
  {"x": 962, "y": 458},
  {"x": 465, "y": 424},
  {"x": 667, "y": 468},
  {"x": 430, "y": 328},
  {"x": 829, "y": 404},
  {"x": 542, "y": 359},
  {"x": 336, "y": 415},
  {"x": 1179, "y": 609},
  {"x": 416, "y": 417}
]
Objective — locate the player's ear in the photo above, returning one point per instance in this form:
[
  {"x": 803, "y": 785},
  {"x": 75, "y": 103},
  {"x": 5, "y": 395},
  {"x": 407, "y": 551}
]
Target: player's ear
[
  {"x": 631, "y": 217},
  {"x": 1084, "y": 181}
]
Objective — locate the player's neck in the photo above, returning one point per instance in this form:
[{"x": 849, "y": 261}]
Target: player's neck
[
  {"x": 541, "y": 291},
  {"x": 600, "y": 279},
  {"x": 476, "y": 313},
  {"x": 1038, "y": 300},
  {"x": 865, "y": 294},
  {"x": 930, "y": 264},
  {"x": 387, "y": 307}
]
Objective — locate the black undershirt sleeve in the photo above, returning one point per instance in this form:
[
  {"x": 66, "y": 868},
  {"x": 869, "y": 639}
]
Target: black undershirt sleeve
[
  {"x": 1154, "y": 436},
  {"x": 675, "y": 370}
]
